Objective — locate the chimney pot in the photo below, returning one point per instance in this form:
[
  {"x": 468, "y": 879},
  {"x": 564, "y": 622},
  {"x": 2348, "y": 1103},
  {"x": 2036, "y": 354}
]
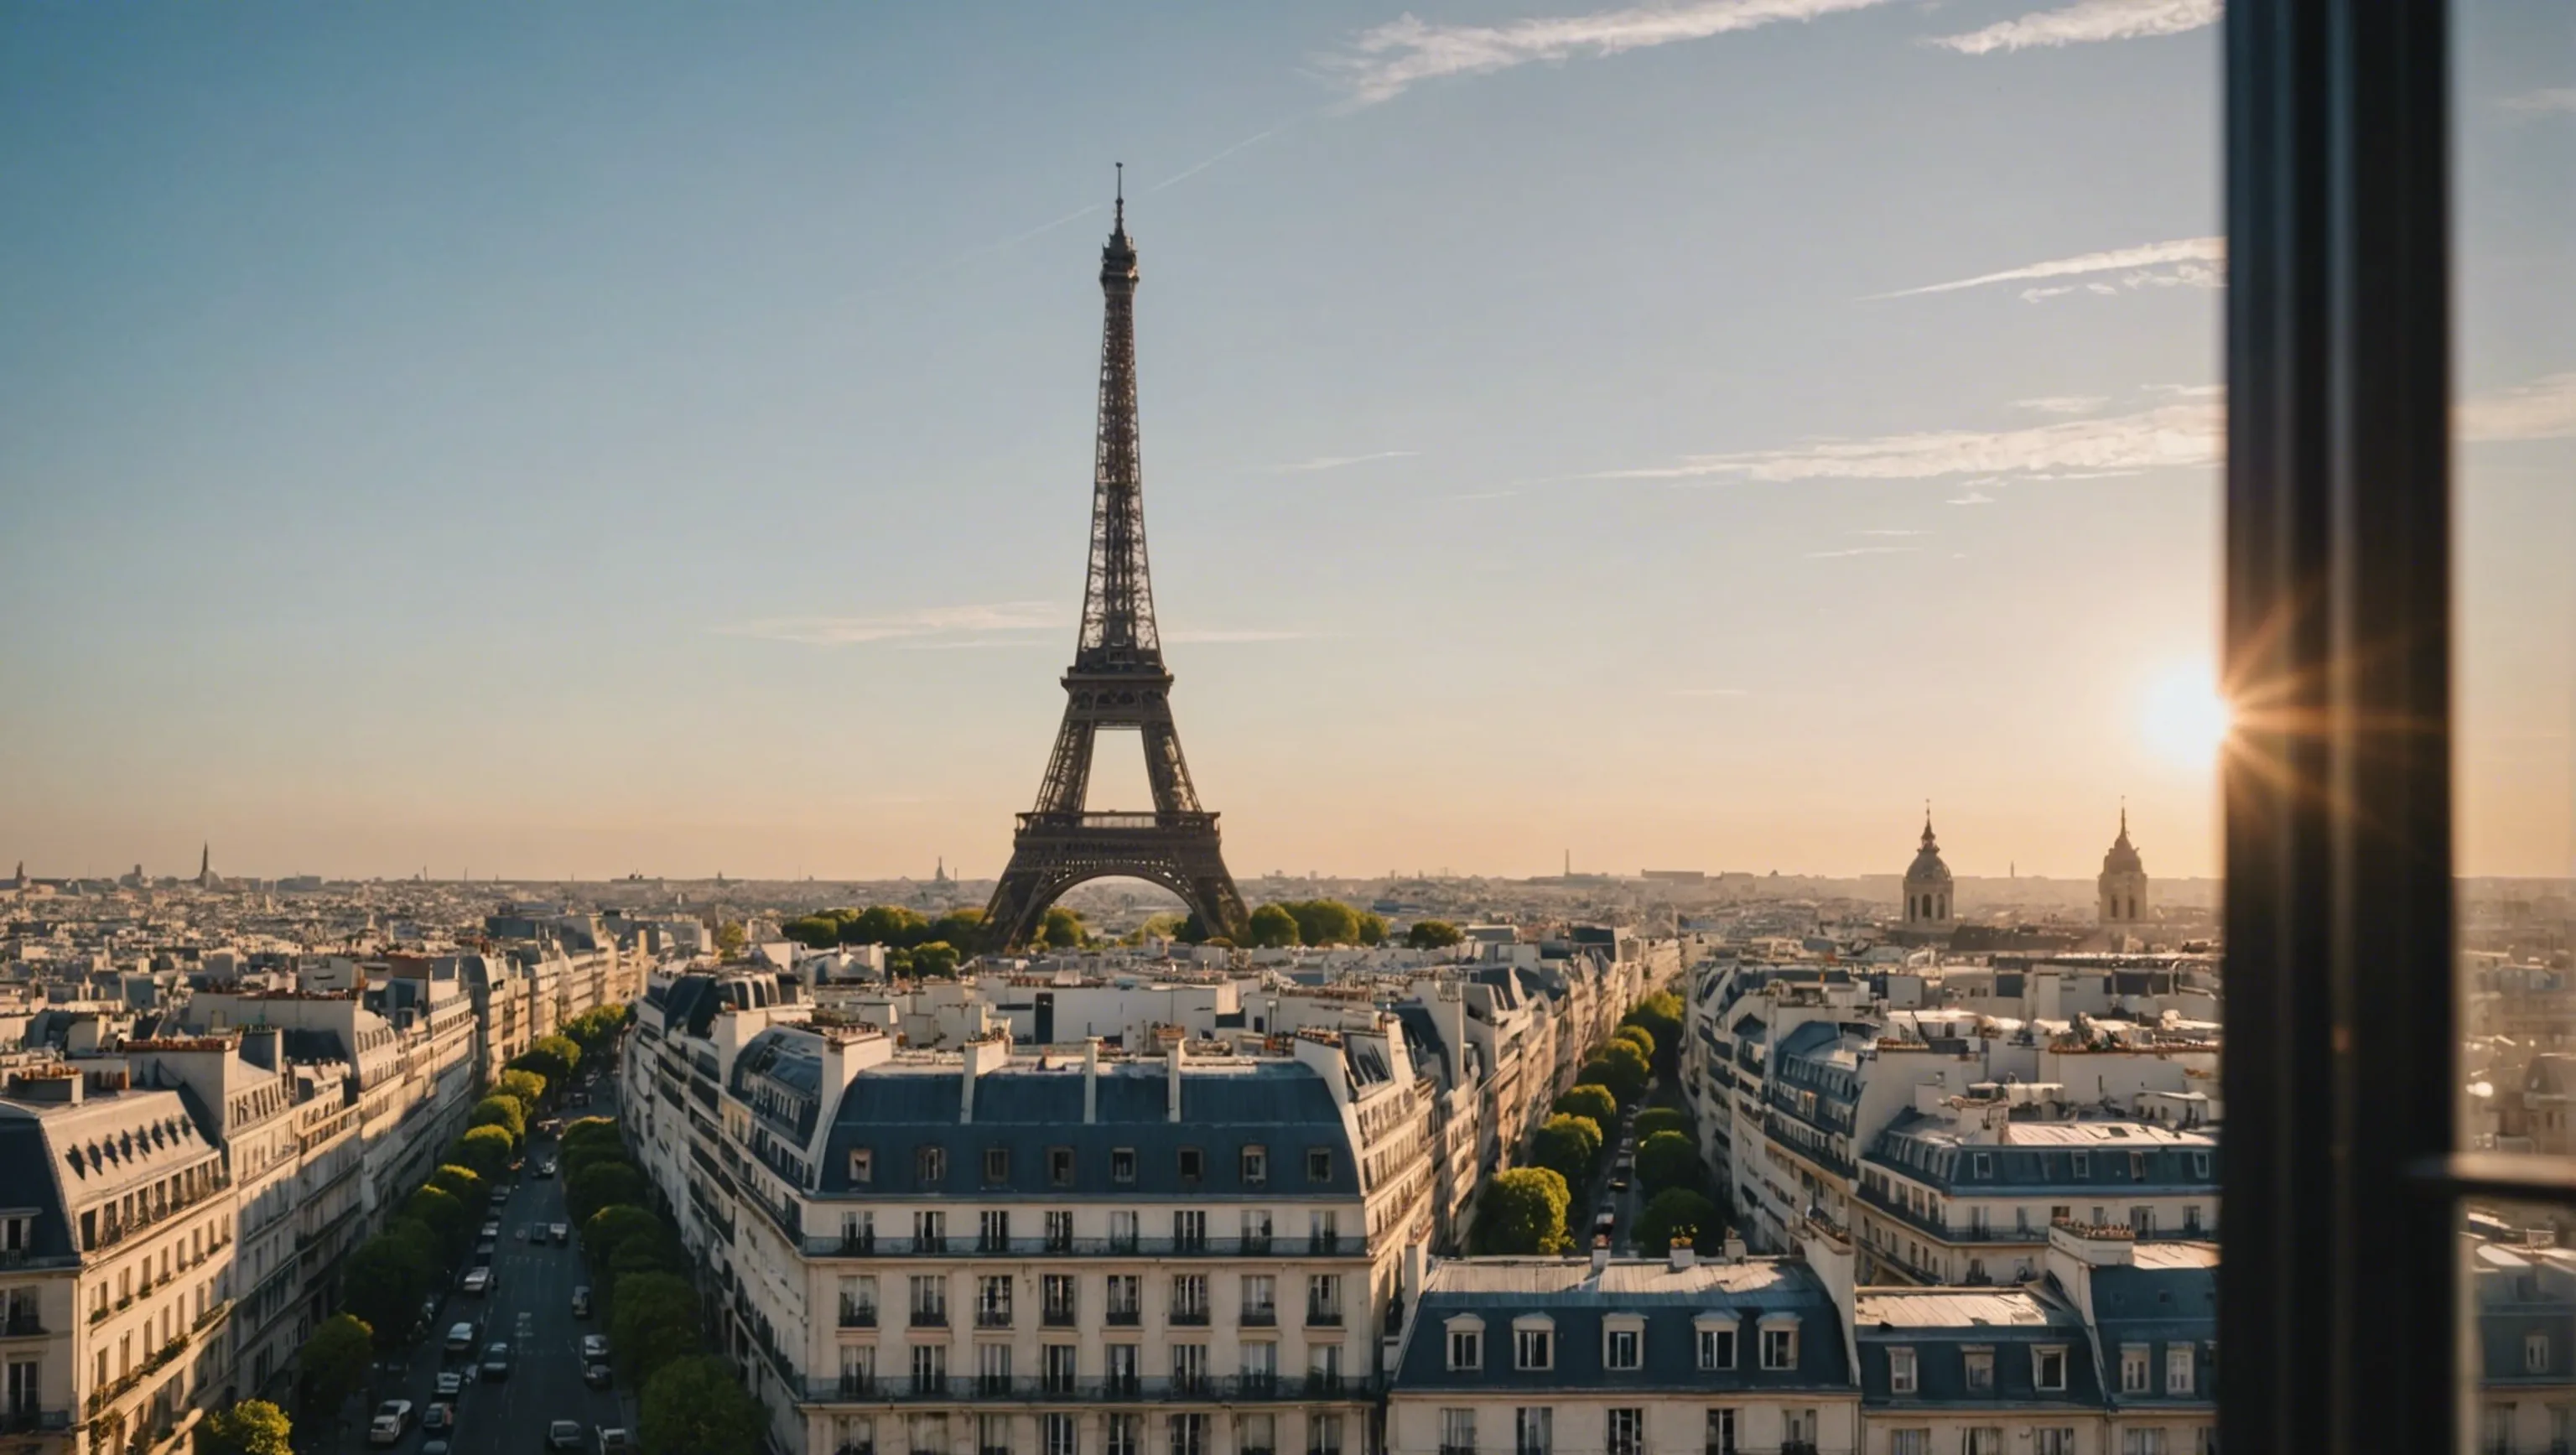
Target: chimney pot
[
  {"x": 1600, "y": 1252},
  {"x": 1683, "y": 1254}
]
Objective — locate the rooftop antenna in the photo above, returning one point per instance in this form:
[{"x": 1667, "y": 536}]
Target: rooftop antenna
[{"x": 1121, "y": 224}]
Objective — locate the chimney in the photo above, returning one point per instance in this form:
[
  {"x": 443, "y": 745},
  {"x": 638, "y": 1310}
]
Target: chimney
[
  {"x": 1600, "y": 1252},
  {"x": 1683, "y": 1254},
  {"x": 980, "y": 1055},
  {"x": 1735, "y": 1250},
  {"x": 1172, "y": 1079},
  {"x": 1090, "y": 1080}
]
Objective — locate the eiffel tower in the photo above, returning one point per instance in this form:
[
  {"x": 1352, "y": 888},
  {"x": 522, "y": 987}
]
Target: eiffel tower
[{"x": 1117, "y": 680}]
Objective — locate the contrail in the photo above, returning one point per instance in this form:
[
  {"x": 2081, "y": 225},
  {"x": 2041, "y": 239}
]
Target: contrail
[{"x": 1212, "y": 161}]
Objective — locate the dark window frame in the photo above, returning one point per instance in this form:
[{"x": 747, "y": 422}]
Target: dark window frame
[{"x": 2340, "y": 1169}]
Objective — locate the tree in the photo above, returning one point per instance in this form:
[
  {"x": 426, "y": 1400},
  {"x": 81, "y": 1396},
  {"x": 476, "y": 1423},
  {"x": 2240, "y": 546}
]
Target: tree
[
  {"x": 695, "y": 1406},
  {"x": 729, "y": 939},
  {"x": 1324, "y": 921},
  {"x": 1667, "y": 1159},
  {"x": 935, "y": 960},
  {"x": 1273, "y": 928},
  {"x": 603, "y": 1184},
  {"x": 552, "y": 1057},
  {"x": 503, "y": 1112},
  {"x": 1432, "y": 934},
  {"x": 526, "y": 1088},
  {"x": 384, "y": 1281},
  {"x": 1590, "y": 1100},
  {"x": 484, "y": 1150},
  {"x": 660, "y": 1253},
  {"x": 1523, "y": 1211},
  {"x": 333, "y": 1363},
  {"x": 586, "y": 1128},
  {"x": 1677, "y": 1212},
  {"x": 890, "y": 925},
  {"x": 1624, "y": 1076},
  {"x": 1661, "y": 1119},
  {"x": 655, "y": 1321},
  {"x": 1567, "y": 1145},
  {"x": 605, "y": 1231},
  {"x": 444, "y": 1214},
  {"x": 963, "y": 928},
  {"x": 1372, "y": 929},
  {"x": 252, "y": 1427},
  {"x": 1638, "y": 1036},
  {"x": 457, "y": 1182},
  {"x": 1660, "y": 1016},
  {"x": 813, "y": 931},
  {"x": 1061, "y": 929}
]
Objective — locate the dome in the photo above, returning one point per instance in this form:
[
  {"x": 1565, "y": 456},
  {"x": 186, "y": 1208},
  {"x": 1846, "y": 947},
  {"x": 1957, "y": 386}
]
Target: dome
[
  {"x": 1927, "y": 867},
  {"x": 2123, "y": 856}
]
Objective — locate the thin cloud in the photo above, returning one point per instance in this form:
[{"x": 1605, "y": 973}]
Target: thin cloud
[
  {"x": 1381, "y": 63},
  {"x": 2556, "y": 101},
  {"x": 2167, "y": 435},
  {"x": 932, "y": 621},
  {"x": 1709, "y": 692},
  {"x": 2086, "y": 22},
  {"x": 1862, "y": 551},
  {"x": 2191, "y": 261},
  {"x": 2544, "y": 409},
  {"x": 1340, "y": 462},
  {"x": 2064, "y": 404},
  {"x": 1187, "y": 173}
]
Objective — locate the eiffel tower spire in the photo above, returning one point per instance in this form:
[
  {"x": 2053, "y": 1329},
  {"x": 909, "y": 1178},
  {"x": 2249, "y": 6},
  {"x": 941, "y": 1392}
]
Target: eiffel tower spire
[{"x": 1117, "y": 680}]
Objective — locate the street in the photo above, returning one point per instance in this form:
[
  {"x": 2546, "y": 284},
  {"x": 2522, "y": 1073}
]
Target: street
[{"x": 535, "y": 1281}]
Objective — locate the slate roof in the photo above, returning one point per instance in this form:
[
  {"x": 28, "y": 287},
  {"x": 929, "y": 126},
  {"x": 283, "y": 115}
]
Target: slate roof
[
  {"x": 1282, "y": 1106},
  {"x": 2041, "y": 1156},
  {"x": 1943, "y": 1326},
  {"x": 2161, "y": 1308},
  {"x": 1578, "y": 1302},
  {"x": 2521, "y": 1292}
]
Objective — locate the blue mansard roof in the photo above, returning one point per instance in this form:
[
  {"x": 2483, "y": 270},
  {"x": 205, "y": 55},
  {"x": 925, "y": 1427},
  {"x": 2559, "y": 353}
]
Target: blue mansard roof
[
  {"x": 2074, "y": 1155},
  {"x": 2009, "y": 1328}
]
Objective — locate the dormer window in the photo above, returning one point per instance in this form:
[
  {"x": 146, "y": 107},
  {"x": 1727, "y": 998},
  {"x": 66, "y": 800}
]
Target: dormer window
[
  {"x": 1466, "y": 1343},
  {"x": 1716, "y": 1342},
  {"x": 1780, "y": 1342},
  {"x": 1623, "y": 1342},
  {"x": 1980, "y": 1369},
  {"x": 862, "y": 1166},
  {"x": 2179, "y": 1372},
  {"x": 1122, "y": 1165},
  {"x": 930, "y": 1165},
  {"x": 1983, "y": 1165},
  {"x": 2083, "y": 1166},
  {"x": 1256, "y": 1166},
  {"x": 2048, "y": 1368},
  {"x": 997, "y": 1166},
  {"x": 1059, "y": 1167},
  {"x": 2200, "y": 1165},
  {"x": 1193, "y": 1164},
  {"x": 1319, "y": 1164},
  {"x": 2133, "y": 1369},
  {"x": 2535, "y": 1353},
  {"x": 1900, "y": 1371},
  {"x": 1533, "y": 1343}
]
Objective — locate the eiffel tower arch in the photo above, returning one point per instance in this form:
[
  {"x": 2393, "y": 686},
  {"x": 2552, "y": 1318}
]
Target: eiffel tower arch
[{"x": 1117, "y": 681}]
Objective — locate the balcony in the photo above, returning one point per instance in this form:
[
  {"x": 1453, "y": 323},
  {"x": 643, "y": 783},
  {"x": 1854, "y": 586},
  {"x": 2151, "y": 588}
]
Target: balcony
[
  {"x": 1061, "y": 1389},
  {"x": 992, "y": 1386},
  {"x": 930, "y": 1318},
  {"x": 858, "y": 1315},
  {"x": 1264, "y": 1317},
  {"x": 22, "y": 1324},
  {"x": 836, "y": 1245},
  {"x": 30, "y": 1421},
  {"x": 855, "y": 1386},
  {"x": 1471, "y": 1450},
  {"x": 852, "y": 1245},
  {"x": 1323, "y": 1318},
  {"x": 1058, "y": 1316},
  {"x": 992, "y": 1318},
  {"x": 1255, "y": 1245},
  {"x": 1325, "y": 1245},
  {"x": 1123, "y": 1318},
  {"x": 869, "y": 1448},
  {"x": 1324, "y": 1386},
  {"x": 1190, "y": 1318}
]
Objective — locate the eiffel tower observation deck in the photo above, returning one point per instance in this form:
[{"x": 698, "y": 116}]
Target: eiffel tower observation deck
[{"x": 1117, "y": 681}]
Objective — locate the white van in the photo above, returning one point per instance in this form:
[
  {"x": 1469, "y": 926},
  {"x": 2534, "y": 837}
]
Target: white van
[
  {"x": 479, "y": 1282},
  {"x": 460, "y": 1339}
]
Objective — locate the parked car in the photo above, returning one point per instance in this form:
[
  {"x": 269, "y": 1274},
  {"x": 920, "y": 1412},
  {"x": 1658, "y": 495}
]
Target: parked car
[
  {"x": 581, "y": 1302},
  {"x": 492, "y": 1229},
  {"x": 451, "y": 1383},
  {"x": 438, "y": 1418},
  {"x": 496, "y": 1359},
  {"x": 434, "y": 1447},
  {"x": 616, "y": 1442},
  {"x": 563, "y": 1233},
  {"x": 594, "y": 1347},
  {"x": 479, "y": 1282},
  {"x": 598, "y": 1376},
  {"x": 393, "y": 1417},
  {"x": 460, "y": 1338},
  {"x": 546, "y": 1168},
  {"x": 564, "y": 1435}
]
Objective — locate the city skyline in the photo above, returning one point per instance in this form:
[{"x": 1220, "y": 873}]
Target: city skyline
[{"x": 1687, "y": 435}]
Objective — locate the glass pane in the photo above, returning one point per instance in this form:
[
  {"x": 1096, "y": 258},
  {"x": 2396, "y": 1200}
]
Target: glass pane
[{"x": 2514, "y": 131}]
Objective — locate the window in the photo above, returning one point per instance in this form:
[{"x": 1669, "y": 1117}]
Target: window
[
  {"x": 1119, "y": 1367},
  {"x": 993, "y": 1435},
  {"x": 1982, "y": 1164},
  {"x": 1059, "y": 1231},
  {"x": 1189, "y": 1232},
  {"x": 1188, "y": 1434},
  {"x": 1457, "y": 1431},
  {"x": 2083, "y": 1166},
  {"x": 1189, "y": 1369},
  {"x": 1716, "y": 1347},
  {"x": 929, "y": 1368},
  {"x": 2535, "y": 1353},
  {"x": 1909, "y": 1442},
  {"x": 1323, "y": 1232},
  {"x": 1124, "y": 1303},
  {"x": 1058, "y": 1435},
  {"x": 1319, "y": 1164},
  {"x": 1059, "y": 1167},
  {"x": 1900, "y": 1371},
  {"x": 1122, "y": 1165},
  {"x": 1780, "y": 1347},
  {"x": 1123, "y": 1234},
  {"x": 1623, "y": 1347},
  {"x": 1260, "y": 1367},
  {"x": 1982, "y": 1440},
  {"x": 1323, "y": 1300},
  {"x": 862, "y": 1166},
  {"x": 997, "y": 1166},
  {"x": 926, "y": 1432},
  {"x": 929, "y": 1300},
  {"x": 1193, "y": 1164},
  {"x": 1466, "y": 1348},
  {"x": 2142, "y": 1442},
  {"x": 993, "y": 1301},
  {"x": 1979, "y": 1370},
  {"x": 1059, "y": 1301},
  {"x": 2052, "y": 1440},
  {"x": 1624, "y": 1432},
  {"x": 1533, "y": 1348},
  {"x": 1720, "y": 1439},
  {"x": 2133, "y": 1369},
  {"x": 930, "y": 1165},
  {"x": 1119, "y": 1435},
  {"x": 2200, "y": 1166},
  {"x": 1189, "y": 1298},
  {"x": 1257, "y": 1435},
  {"x": 2178, "y": 1369},
  {"x": 1256, "y": 1230},
  {"x": 1533, "y": 1430},
  {"x": 1256, "y": 1166},
  {"x": 2048, "y": 1368},
  {"x": 1323, "y": 1435},
  {"x": 1260, "y": 1299},
  {"x": 993, "y": 1230},
  {"x": 993, "y": 1370}
]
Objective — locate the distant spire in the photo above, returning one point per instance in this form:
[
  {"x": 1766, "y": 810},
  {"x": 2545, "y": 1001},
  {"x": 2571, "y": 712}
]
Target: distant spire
[
  {"x": 1927, "y": 823},
  {"x": 205, "y": 857},
  {"x": 1122, "y": 196}
]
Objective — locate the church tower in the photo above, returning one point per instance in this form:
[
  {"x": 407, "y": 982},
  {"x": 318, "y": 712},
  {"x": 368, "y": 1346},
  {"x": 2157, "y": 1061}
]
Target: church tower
[
  {"x": 2123, "y": 885},
  {"x": 1927, "y": 886}
]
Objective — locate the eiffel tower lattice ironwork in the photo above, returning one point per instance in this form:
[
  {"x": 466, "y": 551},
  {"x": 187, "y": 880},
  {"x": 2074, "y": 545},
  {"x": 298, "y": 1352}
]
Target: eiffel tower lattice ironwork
[{"x": 1117, "y": 680}]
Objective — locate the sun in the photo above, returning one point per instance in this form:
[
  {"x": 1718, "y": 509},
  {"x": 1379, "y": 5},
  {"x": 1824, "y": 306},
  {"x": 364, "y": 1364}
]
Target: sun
[{"x": 2187, "y": 720}]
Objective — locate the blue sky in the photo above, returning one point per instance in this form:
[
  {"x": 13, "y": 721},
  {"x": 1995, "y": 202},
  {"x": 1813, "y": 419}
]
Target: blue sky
[{"x": 575, "y": 439}]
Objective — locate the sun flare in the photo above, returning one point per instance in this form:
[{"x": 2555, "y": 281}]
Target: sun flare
[{"x": 2187, "y": 719}]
